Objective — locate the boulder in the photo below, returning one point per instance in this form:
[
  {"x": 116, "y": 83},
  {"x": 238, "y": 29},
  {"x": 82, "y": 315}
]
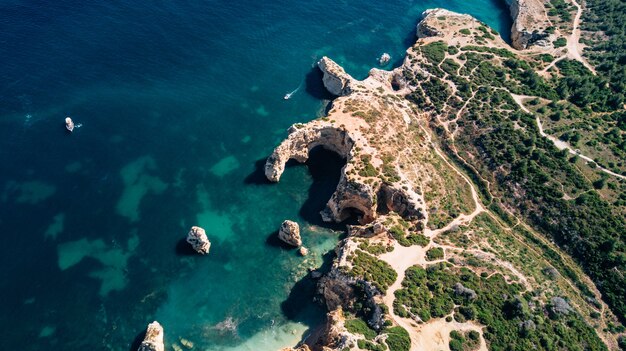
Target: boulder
[
  {"x": 290, "y": 233},
  {"x": 198, "y": 240},
  {"x": 69, "y": 124},
  {"x": 303, "y": 251},
  {"x": 153, "y": 341}
]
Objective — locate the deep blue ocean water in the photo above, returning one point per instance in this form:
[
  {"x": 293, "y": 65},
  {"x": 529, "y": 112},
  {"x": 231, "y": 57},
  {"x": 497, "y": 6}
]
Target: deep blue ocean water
[{"x": 179, "y": 102}]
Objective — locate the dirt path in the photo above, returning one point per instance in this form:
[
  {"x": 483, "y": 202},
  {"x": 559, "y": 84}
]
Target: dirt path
[
  {"x": 561, "y": 145},
  {"x": 574, "y": 47}
]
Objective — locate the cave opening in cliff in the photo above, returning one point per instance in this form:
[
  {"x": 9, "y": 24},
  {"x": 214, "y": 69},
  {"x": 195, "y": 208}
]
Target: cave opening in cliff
[{"x": 325, "y": 168}]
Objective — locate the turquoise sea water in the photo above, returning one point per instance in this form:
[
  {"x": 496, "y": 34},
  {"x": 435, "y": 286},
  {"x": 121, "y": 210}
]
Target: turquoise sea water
[{"x": 179, "y": 104}]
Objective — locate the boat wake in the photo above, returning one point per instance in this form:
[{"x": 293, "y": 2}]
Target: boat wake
[{"x": 288, "y": 95}]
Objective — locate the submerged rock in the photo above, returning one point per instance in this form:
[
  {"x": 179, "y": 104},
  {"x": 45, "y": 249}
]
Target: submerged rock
[
  {"x": 290, "y": 233},
  {"x": 198, "y": 240},
  {"x": 153, "y": 341}
]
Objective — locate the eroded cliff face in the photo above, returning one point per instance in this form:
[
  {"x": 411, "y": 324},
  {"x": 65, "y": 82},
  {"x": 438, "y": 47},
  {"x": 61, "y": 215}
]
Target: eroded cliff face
[
  {"x": 396, "y": 179},
  {"x": 530, "y": 22},
  {"x": 153, "y": 341}
]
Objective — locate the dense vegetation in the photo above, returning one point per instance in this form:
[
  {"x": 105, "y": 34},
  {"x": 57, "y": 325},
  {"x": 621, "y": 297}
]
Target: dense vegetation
[
  {"x": 518, "y": 170},
  {"x": 515, "y": 320},
  {"x": 369, "y": 268}
]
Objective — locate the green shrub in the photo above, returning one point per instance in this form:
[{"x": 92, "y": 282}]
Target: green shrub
[
  {"x": 398, "y": 339},
  {"x": 358, "y": 326}
]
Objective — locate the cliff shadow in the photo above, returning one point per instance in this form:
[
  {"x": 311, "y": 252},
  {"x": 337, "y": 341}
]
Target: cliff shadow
[
  {"x": 314, "y": 86},
  {"x": 183, "y": 248},
  {"x": 273, "y": 241},
  {"x": 258, "y": 174},
  {"x": 325, "y": 169},
  {"x": 299, "y": 306},
  {"x": 134, "y": 345}
]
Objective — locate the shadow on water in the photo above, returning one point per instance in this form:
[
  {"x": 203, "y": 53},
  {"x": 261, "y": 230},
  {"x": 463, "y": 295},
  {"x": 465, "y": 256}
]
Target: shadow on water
[
  {"x": 314, "y": 85},
  {"x": 258, "y": 175},
  {"x": 299, "y": 307},
  {"x": 134, "y": 346},
  {"x": 325, "y": 169},
  {"x": 183, "y": 248},
  {"x": 274, "y": 241}
]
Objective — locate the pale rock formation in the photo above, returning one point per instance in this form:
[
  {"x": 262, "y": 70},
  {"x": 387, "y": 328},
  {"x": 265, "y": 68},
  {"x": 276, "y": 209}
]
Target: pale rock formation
[
  {"x": 290, "y": 233},
  {"x": 335, "y": 79},
  {"x": 426, "y": 28},
  {"x": 198, "y": 240},
  {"x": 69, "y": 124},
  {"x": 303, "y": 251},
  {"x": 301, "y": 140},
  {"x": 384, "y": 59},
  {"x": 153, "y": 341},
  {"x": 530, "y": 21}
]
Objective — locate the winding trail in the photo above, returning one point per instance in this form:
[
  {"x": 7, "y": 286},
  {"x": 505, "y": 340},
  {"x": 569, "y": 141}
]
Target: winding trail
[
  {"x": 428, "y": 336},
  {"x": 560, "y": 144},
  {"x": 574, "y": 47}
]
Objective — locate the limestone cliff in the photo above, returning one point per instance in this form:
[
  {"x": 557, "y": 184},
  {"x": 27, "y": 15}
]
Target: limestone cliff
[
  {"x": 153, "y": 341},
  {"x": 396, "y": 181},
  {"x": 530, "y": 22}
]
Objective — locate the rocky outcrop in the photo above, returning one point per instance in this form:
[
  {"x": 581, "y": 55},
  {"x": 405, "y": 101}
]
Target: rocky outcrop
[
  {"x": 69, "y": 124},
  {"x": 426, "y": 28},
  {"x": 351, "y": 197},
  {"x": 301, "y": 140},
  {"x": 153, "y": 341},
  {"x": 300, "y": 348},
  {"x": 335, "y": 79},
  {"x": 335, "y": 336},
  {"x": 198, "y": 240},
  {"x": 289, "y": 232},
  {"x": 303, "y": 251},
  {"x": 529, "y": 24}
]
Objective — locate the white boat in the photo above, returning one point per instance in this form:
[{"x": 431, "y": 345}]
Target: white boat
[{"x": 69, "y": 124}]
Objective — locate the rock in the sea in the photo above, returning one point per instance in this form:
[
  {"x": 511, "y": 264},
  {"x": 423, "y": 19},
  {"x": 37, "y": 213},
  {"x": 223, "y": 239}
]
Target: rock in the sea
[
  {"x": 335, "y": 79},
  {"x": 198, "y": 240},
  {"x": 153, "y": 341},
  {"x": 290, "y": 233},
  {"x": 384, "y": 59},
  {"x": 303, "y": 251},
  {"x": 69, "y": 124}
]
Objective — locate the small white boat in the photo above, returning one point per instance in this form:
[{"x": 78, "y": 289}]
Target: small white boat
[{"x": 69, "y": 124}]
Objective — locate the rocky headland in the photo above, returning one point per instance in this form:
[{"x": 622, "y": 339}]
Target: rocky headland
[
  {"x": 153, "y": 341},
  {"x": 418, "y": 207}
]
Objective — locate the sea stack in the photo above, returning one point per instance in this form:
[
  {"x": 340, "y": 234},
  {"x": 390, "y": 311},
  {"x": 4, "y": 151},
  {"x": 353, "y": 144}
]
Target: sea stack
[
  {"x": 290, "y": 233},
  {"x": 69, "y": 124},
  {"x": 198, "y": 240},
  {"x": 153, "y": 341}
]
